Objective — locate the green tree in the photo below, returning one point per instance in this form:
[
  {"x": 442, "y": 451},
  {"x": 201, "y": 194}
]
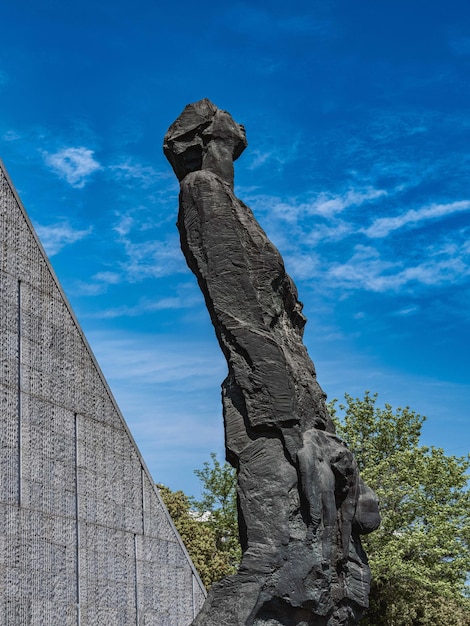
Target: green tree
[
  {"x": 198, "y": 536},
  {"x": 420, "y": 555},
  {"x": 219, "y": 505}
]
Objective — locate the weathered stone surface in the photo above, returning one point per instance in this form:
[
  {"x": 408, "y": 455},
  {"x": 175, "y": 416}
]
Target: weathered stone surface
[{"x": 302, "y": 504}]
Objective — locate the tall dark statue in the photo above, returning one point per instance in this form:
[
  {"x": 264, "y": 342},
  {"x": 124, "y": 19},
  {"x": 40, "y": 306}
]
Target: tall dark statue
[{"x": 302, "y": 503}]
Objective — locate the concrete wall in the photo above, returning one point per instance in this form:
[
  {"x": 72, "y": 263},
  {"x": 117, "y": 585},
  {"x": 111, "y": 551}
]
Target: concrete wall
[{"x": 85, "y": 539}]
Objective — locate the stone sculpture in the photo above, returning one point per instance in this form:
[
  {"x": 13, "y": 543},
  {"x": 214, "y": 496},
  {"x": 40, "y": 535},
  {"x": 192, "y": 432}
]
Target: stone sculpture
[{"x": 302, "y": 504}]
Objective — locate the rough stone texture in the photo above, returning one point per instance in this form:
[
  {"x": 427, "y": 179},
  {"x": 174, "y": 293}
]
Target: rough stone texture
[
  {"x": 85, "y": 539},
  {"x": 302, "y": 504}
]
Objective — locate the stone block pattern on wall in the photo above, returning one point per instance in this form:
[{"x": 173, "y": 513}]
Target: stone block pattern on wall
[{"x": 85, "y": 539}]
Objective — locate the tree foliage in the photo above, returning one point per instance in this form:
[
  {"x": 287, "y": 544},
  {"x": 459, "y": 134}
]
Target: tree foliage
[
  {"x": 209, "y": 526},
  {"x": 219, "y": 499},
  {"x": 420, "y": 555},
  {"x": 198, "y": 536}
]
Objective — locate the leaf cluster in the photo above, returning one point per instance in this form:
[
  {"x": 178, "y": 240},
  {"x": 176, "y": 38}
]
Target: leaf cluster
[
  {"x": 198, "y": 536},
  {"x": 420, "y": 555},
  {"x": 219, "y": 503}
]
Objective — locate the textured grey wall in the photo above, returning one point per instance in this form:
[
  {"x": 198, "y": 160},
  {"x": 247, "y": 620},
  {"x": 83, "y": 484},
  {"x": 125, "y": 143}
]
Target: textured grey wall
[{"x": 85, "y": 539}]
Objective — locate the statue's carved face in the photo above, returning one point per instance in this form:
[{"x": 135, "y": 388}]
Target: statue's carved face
[
  {"x": 224, "y": 128},
  {"x": 204, "y": 137}
]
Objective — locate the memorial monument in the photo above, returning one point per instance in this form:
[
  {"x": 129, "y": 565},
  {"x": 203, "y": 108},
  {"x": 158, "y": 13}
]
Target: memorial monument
[
  {"x": 302, "y": 503},
  {"x": 85, "y": 539}
]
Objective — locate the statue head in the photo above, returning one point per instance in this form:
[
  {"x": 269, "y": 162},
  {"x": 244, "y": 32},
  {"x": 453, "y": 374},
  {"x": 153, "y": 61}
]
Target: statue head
[{"x": 204, "y": 137}]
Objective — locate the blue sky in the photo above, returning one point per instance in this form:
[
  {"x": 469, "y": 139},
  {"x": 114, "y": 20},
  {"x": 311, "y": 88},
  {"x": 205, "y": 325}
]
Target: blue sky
[{"x": 357, "y": 118}]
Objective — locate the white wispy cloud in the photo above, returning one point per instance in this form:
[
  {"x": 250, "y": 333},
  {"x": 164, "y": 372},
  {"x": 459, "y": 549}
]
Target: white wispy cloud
[
  {"x": 152, "y": 258},
  {"x": 75, "y": 165},
  {"x": 366, "y": 269},
  {"x": 124, "y": 225},
  {"x": 146, "y": 260},
  {"x": 410, "y": 310},
  {"x": 389, "y": 125},
  {"x": 159, "y": 360},
  {"x": 110, "y": 278},
  {"x": 327, "y": 204},
  {"x": 151, "y": 215},
  {"x": 326, "y": 233},
  {"x": 149, "y": 306},
  {"x": 98, "y": 284},
  {"x": 324, "y": 204},
  {"x": 289, "y": 211},
  {"x": 274, "y": 155},
  {"x": 85, "y": 288},
  {"x": 302, "y": 266},
  {"x": 11, "y": 135},
  {"x": 258, "y": 159},
  {"x": 414, "y": 217},
  {"x": 56, "y": 236},
  {"x": 136, "y": 173}
]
